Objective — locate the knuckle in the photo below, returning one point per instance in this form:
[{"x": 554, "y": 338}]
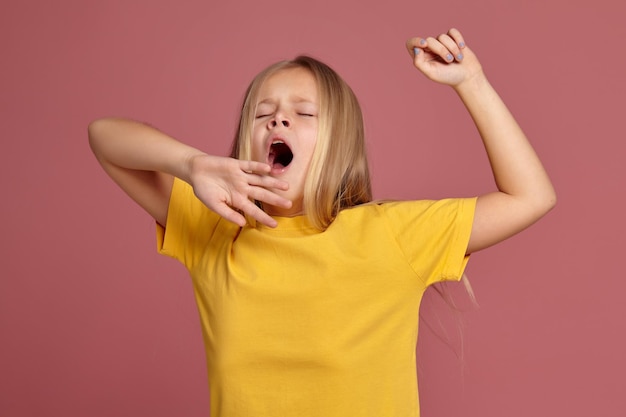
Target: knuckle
[
  {"x": 245, "y": 166},
  {"x": 237, "y": 200}
]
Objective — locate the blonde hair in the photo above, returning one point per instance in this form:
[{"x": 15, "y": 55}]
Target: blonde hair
[{"x": 338, "y": 175}]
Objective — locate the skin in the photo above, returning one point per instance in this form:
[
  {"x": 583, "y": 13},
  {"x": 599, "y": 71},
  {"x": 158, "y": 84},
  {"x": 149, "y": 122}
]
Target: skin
[
  {"x": 144, "y": 161},
  {"x": 287, "y": 110}
]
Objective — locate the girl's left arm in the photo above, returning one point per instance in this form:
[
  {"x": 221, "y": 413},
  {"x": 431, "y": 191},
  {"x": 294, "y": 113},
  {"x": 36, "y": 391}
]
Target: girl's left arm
[{"x": 525, "y": 192}]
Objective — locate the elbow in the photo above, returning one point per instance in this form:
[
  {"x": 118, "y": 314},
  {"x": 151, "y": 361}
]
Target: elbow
[
  {"x": 94, "y": 129},
  {"x": 550, "y": 198},
  {"x": 552, "y": 201},
  {"x": 92, "y": 134},
  {"x": 98, "y": 131},
  {"x": 536, "y": 205},
  {"x": 545, "y": 203}
]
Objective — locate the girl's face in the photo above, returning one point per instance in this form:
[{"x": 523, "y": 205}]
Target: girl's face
[{"x": 285, "y": 132}]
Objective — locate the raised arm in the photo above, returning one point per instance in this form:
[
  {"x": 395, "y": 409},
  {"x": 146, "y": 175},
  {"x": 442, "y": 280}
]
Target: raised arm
[
  {"x": 144, "y": 161},
  {"x": 525, "y": 193}
]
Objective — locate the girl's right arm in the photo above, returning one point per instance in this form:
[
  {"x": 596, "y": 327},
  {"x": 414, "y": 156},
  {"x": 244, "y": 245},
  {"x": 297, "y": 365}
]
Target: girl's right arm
[{"x": 144, "y": 161}]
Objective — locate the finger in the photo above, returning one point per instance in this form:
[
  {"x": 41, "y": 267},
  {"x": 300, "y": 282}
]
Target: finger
[
  {"x": 243, "y": 205},
  {"x": 257, "y": 214},
  {"x": 439, "y": 49},
  {"x": 414, "y": 45},
  {"x": 458, "y": 37},
  {"x": 254, "y": 167},
  {"x": 266, "y": 196},
  {"x": 229, "y": 214},
  {"x": 453, "y": 48},
  {"x": 267, "y": 182}
]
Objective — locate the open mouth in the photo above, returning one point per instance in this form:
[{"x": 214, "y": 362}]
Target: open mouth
[{"x": 280, "y": 155}]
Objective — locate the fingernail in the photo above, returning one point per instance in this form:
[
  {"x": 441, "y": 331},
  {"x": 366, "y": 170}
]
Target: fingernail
[
  {"x": 449, "y": 57},
  {"x": 462, "y": 45},
  {"x": 422, "y": 42},
  {"x": 416, "y": 50},
  {"x": 459, "y": 56}
]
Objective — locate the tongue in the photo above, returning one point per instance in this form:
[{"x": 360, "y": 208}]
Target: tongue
[
  {"x": 280, "y": 155},
  {"x": 271, "y": 157}
]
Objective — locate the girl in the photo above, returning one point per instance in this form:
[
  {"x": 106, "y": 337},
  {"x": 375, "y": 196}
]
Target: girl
[{"x": 308, "y": 291}]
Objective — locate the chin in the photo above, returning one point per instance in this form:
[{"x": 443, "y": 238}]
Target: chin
[{"x": 296, "y": 209}]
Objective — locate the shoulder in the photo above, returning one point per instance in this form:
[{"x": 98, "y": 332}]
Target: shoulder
[
  {"x": 410, "y": 222},
  {"x": 411, "y": 210},
  {"x": 191, "y": 227},
  {"x": 188, "y": 215}
]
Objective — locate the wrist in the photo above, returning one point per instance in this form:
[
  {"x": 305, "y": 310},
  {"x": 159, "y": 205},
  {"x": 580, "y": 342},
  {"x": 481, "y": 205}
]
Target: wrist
[
  {"x": 472, "y": 84},
  {"x": 192, "y": 165}
]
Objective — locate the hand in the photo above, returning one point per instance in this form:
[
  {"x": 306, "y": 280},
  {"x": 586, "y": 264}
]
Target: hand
[
  {"x": 445, "y": 59},
  {"x": 229, "y": 187}
]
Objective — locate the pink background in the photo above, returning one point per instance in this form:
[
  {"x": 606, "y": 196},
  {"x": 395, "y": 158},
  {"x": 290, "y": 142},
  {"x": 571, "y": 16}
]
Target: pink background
[{"x": 94, "y": 323}]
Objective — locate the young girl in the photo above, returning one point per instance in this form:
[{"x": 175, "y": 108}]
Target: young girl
[{"x": 308, "y": 291}]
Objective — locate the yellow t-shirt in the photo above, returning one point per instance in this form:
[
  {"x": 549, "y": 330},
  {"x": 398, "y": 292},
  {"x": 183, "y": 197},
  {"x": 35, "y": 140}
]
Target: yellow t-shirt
[{"x": 299, "y": 322}]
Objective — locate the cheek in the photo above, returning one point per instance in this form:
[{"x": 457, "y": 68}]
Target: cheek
[
  {"x": 257, "y": 155},
  {"x": 257, "y": 152},
  {"x": 312, "y": 140}
]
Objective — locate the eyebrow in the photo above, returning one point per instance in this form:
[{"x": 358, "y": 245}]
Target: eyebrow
[{"x": 296, "y": 100}]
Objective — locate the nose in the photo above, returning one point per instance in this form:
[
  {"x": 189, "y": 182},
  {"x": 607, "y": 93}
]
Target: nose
[{"x": 280, "y": 119}]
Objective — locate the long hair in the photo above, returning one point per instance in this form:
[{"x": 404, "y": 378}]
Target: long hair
[{"x": 338, "y": 175}]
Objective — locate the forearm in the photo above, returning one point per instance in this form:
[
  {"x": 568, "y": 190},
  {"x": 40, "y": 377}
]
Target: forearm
[
  {"x": 131, "y": 145},
  {"x": 516, "y": 167},
  {"x": 142, "y": 161}
]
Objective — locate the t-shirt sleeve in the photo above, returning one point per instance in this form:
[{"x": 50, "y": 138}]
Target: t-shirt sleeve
[
  {"x": 189, "y": 225},
  {"x": 433, "y": 235}
]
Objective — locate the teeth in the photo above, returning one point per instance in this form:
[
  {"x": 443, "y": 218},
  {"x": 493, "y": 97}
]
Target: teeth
[{"x": 277, "y": 142}]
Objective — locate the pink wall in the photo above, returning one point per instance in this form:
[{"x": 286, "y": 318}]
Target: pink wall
[{"x": 94, "y": 323}]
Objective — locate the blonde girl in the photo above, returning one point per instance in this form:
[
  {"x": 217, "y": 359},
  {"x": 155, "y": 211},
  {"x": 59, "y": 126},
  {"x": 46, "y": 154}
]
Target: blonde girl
[{"x": 308, "y": 291}]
